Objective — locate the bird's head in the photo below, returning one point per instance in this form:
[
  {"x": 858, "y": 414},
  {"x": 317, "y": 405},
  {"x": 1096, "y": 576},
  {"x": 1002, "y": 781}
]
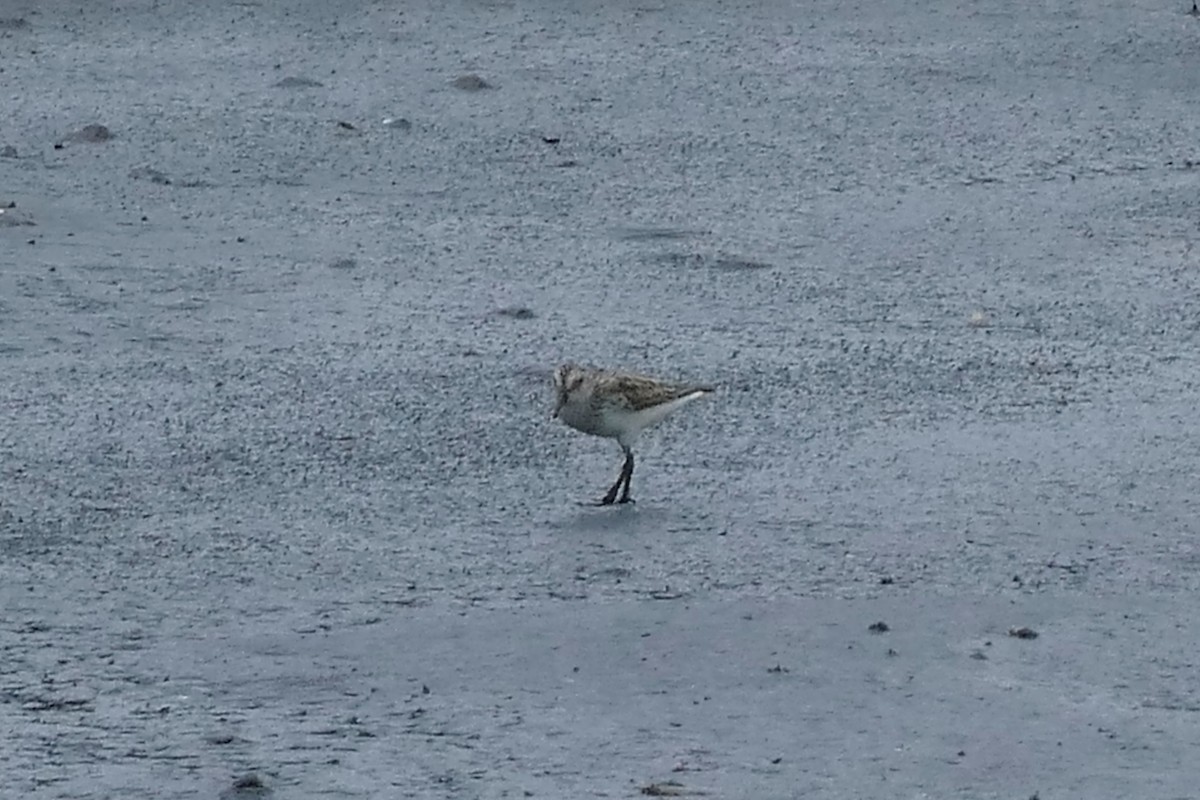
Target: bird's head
[{"x": 567, "y": 379}]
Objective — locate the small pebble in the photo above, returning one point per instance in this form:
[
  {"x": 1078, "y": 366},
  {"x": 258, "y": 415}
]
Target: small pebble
[
  {"x": 471, "y": 83},
  {"x": 91, "y": 134}
]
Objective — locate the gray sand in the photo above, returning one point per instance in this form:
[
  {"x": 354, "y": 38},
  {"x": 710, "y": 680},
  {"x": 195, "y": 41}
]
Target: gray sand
[{"x": 282, "y": 510}]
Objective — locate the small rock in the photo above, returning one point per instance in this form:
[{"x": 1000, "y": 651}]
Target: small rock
[
  {"x": 516, "y": 312},
  {"x": 13, "y": 23},
  {"x": 1023, "y": 633},
  {"x": 879, "y": 627},
  {"x": 346, "y": 126},
  {"x": 979, "y": 655},
  {"x": 551, "y": 139},
  {"x": 471, "y": 83},
  {"x": 778, "y": 669},
  {"x": 91, "y": 134},
  {"x": 248, "y": 781},
  {"x": 399, "y": 123},
  {"x": 664, "y": 789},
  {"x": 344, "y": 263},
  {"x": 8, "y": 151},
  {"x": 978, "y": 319},
  {"x": 298, "y": 82}
]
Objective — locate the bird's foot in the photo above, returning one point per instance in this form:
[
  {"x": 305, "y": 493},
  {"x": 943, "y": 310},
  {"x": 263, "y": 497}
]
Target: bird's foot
[{"x": 625, "y": 500}]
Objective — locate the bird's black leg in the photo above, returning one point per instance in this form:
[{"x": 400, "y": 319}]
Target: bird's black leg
[{"x": 626, "y": 473}]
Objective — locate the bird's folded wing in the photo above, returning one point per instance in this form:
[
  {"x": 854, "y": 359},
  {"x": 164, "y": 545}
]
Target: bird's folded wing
[{"x": 640, "y": 393}]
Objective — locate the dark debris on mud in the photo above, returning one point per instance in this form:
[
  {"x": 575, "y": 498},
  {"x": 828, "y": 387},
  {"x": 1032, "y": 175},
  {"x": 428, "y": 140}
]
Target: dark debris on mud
[
  {"x": 471, "y": 82},
  {"x": 297, "y": 82},
  {"x": 93, "y": 133}
]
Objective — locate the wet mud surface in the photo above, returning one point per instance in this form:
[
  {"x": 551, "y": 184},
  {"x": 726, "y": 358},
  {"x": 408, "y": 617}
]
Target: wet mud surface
[{"x": 282, "y": 509}]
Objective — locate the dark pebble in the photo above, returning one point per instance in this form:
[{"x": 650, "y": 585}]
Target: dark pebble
[
  {"x": 91, "y": 134},
  {"x": 471, "y": 83},
  {"x": 297, "y": 82}
]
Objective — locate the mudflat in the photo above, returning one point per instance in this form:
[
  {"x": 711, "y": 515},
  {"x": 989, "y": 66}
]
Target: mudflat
[{"x": 282, "y": 509}]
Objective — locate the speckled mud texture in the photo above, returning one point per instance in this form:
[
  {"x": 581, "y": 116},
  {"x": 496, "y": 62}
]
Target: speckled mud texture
[{"x": 283, "y": 513}]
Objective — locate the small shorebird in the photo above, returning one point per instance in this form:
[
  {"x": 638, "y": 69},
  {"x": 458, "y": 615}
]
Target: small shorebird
[{"x": 617, "y": 405}]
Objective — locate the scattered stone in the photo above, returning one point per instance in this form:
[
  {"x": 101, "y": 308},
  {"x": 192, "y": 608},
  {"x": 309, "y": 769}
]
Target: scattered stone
[
  {"x": 90, "y": 134},
  {"x": 344, "y": 263},
  {"x": 471, "y": 83},
  {"x": 150, "y": 174},
  {"x": 887, "y": 580},
  {"x": 248, "y": 782},
  {"x": 879, "y": 627},
  {"x": 570, "y": 162},
  {"x": 8, "y": 151},
  {"x": 298, "y": 82},
  {"x": 346, "y": 126},
  {"x": 551, "y": 139},
  {"x": 516, "y": 312},
  {"x": 1023, "y": 633},
  {"x": 979, "y": 655},
  {"x": 664, "y": 789},
  {"x": 778, "y": 669},
  {"x": 221, "y": 738},
  {"x": 399, "y": 123}
]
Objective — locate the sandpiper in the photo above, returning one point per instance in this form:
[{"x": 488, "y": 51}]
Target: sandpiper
[{"x": 617, "y": 405}]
